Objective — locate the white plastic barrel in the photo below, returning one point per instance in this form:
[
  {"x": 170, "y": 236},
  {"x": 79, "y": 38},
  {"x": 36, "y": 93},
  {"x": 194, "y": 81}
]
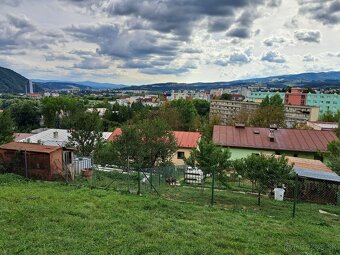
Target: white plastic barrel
[{"x": 279, "y": 194}]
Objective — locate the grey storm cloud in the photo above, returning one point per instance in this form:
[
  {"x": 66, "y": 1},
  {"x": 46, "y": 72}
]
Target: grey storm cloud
[
  {"x": 274, "y": 3},
  {"x": 239, "y": 32},
  {"x": 18, "y": 32},
  {"x": 273, "y": 41},
  {"x": 235, "y": 58},
  {"x": 92, "y": 63},
  {"x": 179, "y": 17},
  {"x": 273, "y": 57},
  {"x": 308, "y": 36},
  {"x": 325, "y": 11}
]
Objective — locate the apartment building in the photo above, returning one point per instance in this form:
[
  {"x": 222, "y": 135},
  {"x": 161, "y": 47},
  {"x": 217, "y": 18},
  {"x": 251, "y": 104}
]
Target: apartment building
[{"x": 227, "y": 110}]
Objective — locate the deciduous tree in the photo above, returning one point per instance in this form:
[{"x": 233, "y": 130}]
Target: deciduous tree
[{"x": 6, "y": 127}]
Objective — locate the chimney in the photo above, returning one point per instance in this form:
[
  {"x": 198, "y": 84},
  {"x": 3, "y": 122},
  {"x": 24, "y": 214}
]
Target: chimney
[
  {"x": 271, "y": 135},
  {"x": 55, "y": 134},
  {"x": 239, "y": 125}
]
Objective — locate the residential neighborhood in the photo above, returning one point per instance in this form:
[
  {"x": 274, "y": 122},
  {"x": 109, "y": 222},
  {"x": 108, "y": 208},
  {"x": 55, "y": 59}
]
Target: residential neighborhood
[{"x": 172, "y": 127}]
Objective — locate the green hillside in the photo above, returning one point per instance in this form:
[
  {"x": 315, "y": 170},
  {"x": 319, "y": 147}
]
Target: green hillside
[
  {"x": 52, "y": 218},
  {"x": 11, "y": 82}
]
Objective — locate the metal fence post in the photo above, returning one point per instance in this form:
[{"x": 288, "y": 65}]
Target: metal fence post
[
  {"x": 138, "y": 192},
  {"x": 213, "y": 187},
  {"x": 296, "y": 190}
]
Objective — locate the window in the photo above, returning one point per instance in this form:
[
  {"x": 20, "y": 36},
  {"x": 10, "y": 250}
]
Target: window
[{"x": 180, "y": 154}]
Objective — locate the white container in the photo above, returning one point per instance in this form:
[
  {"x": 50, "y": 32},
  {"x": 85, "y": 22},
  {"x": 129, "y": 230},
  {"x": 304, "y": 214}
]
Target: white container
[{"x": 279, "y": 194}]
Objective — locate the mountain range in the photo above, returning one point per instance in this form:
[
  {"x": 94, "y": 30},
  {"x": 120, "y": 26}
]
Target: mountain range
[{"x": 12, "y": 82}]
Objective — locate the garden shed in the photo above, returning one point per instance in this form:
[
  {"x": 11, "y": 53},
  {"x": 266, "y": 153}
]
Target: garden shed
[{"x": 33, "y": 160}]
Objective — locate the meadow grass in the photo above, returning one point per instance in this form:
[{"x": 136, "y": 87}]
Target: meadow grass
[{"x": 53, "y": 218}]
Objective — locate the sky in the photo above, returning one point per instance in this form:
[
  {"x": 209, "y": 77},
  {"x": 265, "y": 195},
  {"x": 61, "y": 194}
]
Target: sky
[{"x": 151, "y": 41}]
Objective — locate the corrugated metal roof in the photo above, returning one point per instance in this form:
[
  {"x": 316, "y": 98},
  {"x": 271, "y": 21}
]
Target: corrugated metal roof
[
  {"x": 318, "y": 175},
  {"x": 48, "y": 137},
  {"x": 20, "y": 136},
  {"x": 284, "y": 139},
  {"x": 29, "y": 147},
  {"x": 184, "y": 139}
]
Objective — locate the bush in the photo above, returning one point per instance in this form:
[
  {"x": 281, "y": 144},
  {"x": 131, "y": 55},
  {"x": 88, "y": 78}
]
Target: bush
[{"x": 11, "y": 178}]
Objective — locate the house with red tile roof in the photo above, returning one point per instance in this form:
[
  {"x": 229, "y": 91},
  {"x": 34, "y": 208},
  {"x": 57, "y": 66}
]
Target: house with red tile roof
[
  {"x": 186, "y": 142},
  {"x": 243, "y": 141}
]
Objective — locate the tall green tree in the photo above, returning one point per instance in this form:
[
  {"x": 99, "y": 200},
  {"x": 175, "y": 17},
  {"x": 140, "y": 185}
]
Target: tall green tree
[
  {"x": 6, "y": 127},
  {"x": 270, "y": 112},
  {"x": 26, "y": 115},
  {"x": 187, "y": 112},
  {"x": 86, "y": 132},
  {"x": 202, "y": 107},
  {"x": 333, "y": 156},
  {"x": 148, "y": 143}
]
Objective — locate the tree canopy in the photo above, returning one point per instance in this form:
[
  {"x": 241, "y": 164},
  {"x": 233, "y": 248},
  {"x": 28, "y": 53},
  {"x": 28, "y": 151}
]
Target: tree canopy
[
  {"x": 333, "y": 156},
  {"x": 6, "y": 127},
  {"x": 86, "y": 132},
  {"x": 26, "y": 115}
]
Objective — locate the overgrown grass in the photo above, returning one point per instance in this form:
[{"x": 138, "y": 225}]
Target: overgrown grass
[{"x": 51, "y": 218}]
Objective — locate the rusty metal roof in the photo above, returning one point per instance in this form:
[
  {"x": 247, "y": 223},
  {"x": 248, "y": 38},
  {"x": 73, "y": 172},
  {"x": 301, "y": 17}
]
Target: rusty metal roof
[
  {"x": 30, "y": 147},
  {"x": 184, "y": 139},
  {"x": 283, "y": 139},
  {"x": 307, "y": 164}
]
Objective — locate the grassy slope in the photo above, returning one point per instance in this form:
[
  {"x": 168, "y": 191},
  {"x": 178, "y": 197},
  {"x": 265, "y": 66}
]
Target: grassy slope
[{"x": 49, "y": 218}]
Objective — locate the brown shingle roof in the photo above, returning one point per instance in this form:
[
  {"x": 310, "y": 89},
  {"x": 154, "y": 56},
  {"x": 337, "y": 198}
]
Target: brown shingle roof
[
  {"x": 31, "y": 147},
  {"x": 284, "y": 139}
]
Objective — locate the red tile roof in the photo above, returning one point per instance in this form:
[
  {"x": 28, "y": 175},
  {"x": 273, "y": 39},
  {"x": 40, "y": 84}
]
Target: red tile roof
[
  {"x": 284, "y": 139},
  {"x": 184, "y": 139},
  {"x": 31, "y": 147},
  {"x": 115, "y": 133},
  {"x": 187, "y": 139}
]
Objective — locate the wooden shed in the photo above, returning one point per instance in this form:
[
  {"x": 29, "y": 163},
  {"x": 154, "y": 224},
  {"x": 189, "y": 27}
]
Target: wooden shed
[{"x": 33, "y": 160}]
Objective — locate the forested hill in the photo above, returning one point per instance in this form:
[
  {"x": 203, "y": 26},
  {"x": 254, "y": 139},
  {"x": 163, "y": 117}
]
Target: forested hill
[{"x": 11, "y": 82}]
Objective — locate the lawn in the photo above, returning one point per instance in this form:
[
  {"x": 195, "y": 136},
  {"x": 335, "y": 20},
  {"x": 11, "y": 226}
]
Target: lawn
[{"x": 53, "y": 218}]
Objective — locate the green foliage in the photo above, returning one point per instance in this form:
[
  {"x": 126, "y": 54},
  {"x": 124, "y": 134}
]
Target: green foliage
[
  {"x": 187, "y": 113},
  {"x": 9, "y": 178},
  {"x": 333, "y": 156},
  {"x": 86, "y": 132},
  {"x": 329, "y": 116},
  {"x": 56, "y": 109},
  {"x": 6, "y": 127},
  {"x": 266, "y": 171},
  {"x": 271, "y": 112},
  {"x": 26, "y": 115},
  {"x": 146, "y": 144},
  {"x": 226, "y": 96},
  {"x": 209, "y": 157},
  {"x": 107, "y": 154},
  {"x": 202, "y": 107}
]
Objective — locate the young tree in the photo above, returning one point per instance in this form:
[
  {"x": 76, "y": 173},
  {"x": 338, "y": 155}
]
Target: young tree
[
  {"x": 6, "y": 127},
  {"x": 209, "y": 157},
  {"x": 333, "y": 156},
  {"x": 86, "y": 132},
  {"x": 266, "y": 171}
]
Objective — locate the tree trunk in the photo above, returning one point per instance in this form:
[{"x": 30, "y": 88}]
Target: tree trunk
[{"x": 259, "y": 199}]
